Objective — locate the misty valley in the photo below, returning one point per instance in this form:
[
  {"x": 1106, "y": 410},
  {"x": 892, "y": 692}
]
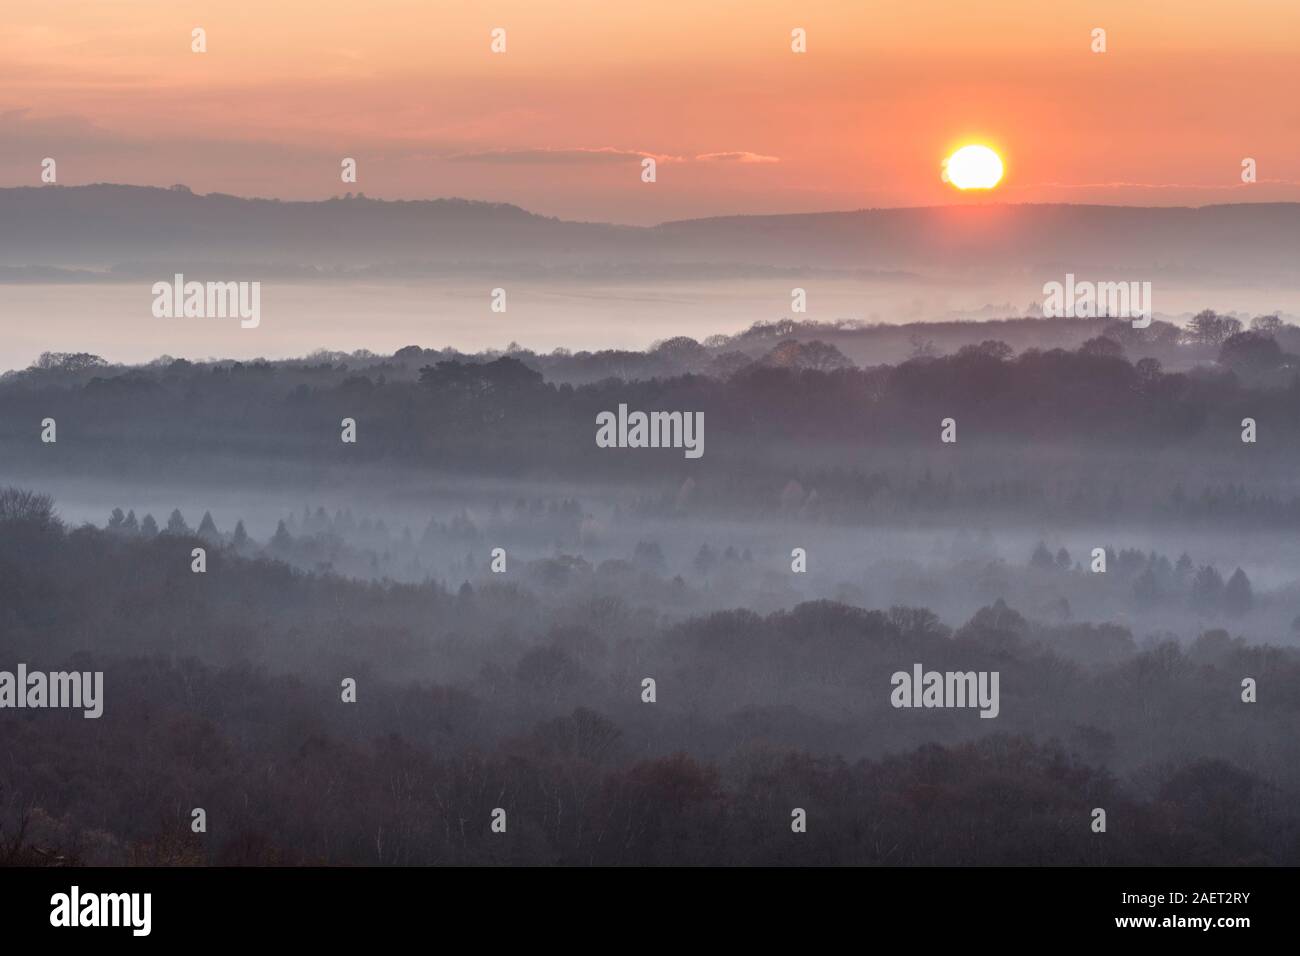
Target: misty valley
[{"x": 413, "y": 609}]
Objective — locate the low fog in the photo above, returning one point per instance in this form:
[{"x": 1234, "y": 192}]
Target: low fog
[{"x": 500, "y": 588}]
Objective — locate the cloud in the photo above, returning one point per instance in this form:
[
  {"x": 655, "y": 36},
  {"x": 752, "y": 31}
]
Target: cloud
[
  {"x": 548, "y": 156},
  {"x": 737, "y": 156}
]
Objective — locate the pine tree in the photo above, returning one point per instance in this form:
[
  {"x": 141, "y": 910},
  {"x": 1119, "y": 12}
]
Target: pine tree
[
  {"x": 1238, "y": 597},
  {"x": 1042, "y": 558},
  {"x": 208, "y": 528},
  {"x": 1207, "y": 589},
  {"x": 176, "y": 523},
  {"x": 281, "y": 540}
]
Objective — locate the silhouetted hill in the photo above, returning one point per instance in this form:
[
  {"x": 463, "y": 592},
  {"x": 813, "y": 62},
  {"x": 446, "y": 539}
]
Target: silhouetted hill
[
  {"x": 1252, "y": 239},
  {"x": 129, "y": 227}
]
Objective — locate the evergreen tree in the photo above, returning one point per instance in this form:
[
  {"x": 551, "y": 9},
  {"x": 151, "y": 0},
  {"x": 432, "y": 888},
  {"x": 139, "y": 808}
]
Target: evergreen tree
[
  {"x": 1207, "y": 589},
  {"x": 208, "y": 528},
  {"x": 1238, "y": 597},
  {"x": 176, "y": 523},
  {"x": 705, "y": 558},
  {"x": 1042, "y": 558},
  {"x": 281, "y": 541}
]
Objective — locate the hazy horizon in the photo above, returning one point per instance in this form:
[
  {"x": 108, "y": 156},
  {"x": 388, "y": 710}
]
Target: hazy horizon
[
  {"x": 337, "y": 191},
  {"x": 109, "y": 319}
]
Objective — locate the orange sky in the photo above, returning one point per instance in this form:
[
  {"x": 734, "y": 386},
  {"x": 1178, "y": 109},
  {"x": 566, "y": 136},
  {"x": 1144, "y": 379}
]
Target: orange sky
[{"x": 558, "y": 123}]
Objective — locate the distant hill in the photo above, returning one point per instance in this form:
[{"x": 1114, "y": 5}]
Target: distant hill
[{"x": 133, "y": 228}]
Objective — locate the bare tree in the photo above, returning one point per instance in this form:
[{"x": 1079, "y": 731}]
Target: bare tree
[{"x": 21, "y": 505}]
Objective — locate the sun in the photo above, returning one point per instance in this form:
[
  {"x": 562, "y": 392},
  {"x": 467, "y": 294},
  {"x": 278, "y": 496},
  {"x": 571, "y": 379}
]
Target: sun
[{"x": 973, "y": 167}]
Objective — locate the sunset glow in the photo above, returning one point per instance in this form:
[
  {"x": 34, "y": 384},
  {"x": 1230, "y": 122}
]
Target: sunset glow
[{"x": 738, "y": 121}]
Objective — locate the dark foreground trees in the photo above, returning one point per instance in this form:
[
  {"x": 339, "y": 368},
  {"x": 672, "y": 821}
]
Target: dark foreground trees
[{"x": 222, "y": 692}]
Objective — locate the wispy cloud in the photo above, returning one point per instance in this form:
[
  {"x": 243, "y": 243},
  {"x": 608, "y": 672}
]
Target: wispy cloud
[
  {"x": 548, "y": 156},
  {"x": 738, "y": 156}
]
